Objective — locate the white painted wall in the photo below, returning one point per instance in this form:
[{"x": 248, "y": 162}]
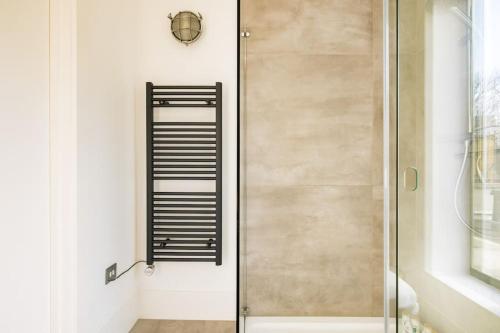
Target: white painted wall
[
  {"x": 106, "y": 159},
  {"x": 189, "y": 290},
  {"x": 447, "y": 126},
  {"x": 118, "y": 50},
  {"x": 24, "y": 170}
]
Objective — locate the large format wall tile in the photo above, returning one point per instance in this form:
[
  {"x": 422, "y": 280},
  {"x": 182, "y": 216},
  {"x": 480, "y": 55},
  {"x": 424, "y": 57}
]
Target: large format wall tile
[
  {"x": 309, "y": 250},
  {"x": 313, "y": 158},
  {"x": 297, "y": 81},
  {"x": 309, "y": 120},
  {"x": 310, "y": 26}
]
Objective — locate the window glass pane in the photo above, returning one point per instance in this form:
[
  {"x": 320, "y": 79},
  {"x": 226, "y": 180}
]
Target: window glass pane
[{"x": 485, "y": 256}]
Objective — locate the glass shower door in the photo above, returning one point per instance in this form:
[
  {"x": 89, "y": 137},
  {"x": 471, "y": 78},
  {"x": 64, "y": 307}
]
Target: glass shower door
[
  {"x": 411, "y": 173},
  {"x": 448, "y": 107},
  {"x": 311, "y": 202}
]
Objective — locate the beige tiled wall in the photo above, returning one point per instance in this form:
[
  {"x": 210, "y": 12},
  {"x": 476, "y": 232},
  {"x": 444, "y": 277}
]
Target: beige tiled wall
[{"x": 313, "y": 154}]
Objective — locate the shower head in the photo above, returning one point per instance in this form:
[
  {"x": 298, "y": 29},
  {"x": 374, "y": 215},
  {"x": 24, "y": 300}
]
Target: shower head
[{"x": 467, "y": 21}]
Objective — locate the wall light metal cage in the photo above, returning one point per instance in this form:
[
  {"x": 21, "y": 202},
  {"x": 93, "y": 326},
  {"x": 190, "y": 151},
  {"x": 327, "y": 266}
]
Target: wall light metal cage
[{"x": 186, "y": 26}]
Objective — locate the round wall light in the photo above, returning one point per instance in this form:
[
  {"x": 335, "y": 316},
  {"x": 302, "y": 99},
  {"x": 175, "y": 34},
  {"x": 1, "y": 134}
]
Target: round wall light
[{"x": 186, "y": 26}]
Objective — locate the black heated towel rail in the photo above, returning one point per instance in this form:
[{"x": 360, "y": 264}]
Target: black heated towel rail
[{"x": 184, "y": 225}]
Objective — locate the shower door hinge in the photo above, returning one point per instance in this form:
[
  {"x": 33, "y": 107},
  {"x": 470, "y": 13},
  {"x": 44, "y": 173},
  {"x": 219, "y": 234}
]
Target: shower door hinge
[
  {"x": 245, "y": 34},
  {"x": 244, "y": 311}
]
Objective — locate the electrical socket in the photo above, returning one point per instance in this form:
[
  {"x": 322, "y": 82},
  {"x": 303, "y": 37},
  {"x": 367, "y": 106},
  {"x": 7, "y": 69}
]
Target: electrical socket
[{"x": 110, "y": 273}]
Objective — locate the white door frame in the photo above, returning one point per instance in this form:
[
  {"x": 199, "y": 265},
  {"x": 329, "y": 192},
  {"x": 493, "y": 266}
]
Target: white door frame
[{"x": 63, "y": 166}]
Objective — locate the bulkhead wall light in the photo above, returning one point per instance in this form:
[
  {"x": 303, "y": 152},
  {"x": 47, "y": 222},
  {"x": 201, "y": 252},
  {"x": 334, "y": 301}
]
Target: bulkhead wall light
[{"x": 186, "y": 26}]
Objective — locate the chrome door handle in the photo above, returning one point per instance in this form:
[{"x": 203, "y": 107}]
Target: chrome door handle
[{"x": 410, "y": 179}]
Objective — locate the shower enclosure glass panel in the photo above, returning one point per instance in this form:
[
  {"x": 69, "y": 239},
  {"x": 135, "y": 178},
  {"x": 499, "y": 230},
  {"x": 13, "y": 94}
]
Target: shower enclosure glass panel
[
  {"x": 311, "y": 165},
  {"x": 447, "y": 210},
  {"x": 390, "y": 92},
  {"x": 410, "y": 169}
]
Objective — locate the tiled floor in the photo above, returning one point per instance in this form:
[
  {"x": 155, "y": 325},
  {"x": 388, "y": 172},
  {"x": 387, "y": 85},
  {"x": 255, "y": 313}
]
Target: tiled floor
[{"x": 183, "y": 326}]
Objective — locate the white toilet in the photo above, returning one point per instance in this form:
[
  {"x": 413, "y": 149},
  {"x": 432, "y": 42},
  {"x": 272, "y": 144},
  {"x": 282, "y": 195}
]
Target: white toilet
[{"x": 407, "y": 297}]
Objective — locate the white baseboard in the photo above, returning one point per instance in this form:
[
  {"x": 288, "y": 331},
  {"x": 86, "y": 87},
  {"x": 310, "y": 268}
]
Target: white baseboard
[
  {"x": 187, "y": 305},
  {"x": 124, "y": 319}
]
